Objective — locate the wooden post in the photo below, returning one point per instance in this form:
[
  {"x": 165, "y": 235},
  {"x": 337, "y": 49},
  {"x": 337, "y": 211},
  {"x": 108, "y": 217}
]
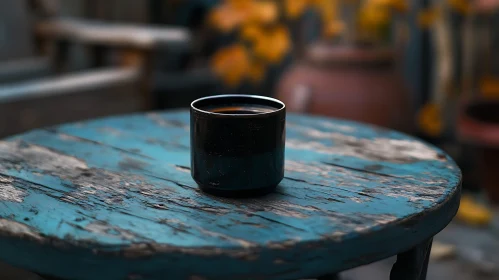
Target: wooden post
[{"x": 61, "y": 54}]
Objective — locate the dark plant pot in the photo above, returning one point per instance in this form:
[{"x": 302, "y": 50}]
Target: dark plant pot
[
  {"x": 478, "y": 125},
  {"x": 360, "y": 83}
]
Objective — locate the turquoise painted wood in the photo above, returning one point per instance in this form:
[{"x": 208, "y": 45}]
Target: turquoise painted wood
[{"x": 113, "y": 199}]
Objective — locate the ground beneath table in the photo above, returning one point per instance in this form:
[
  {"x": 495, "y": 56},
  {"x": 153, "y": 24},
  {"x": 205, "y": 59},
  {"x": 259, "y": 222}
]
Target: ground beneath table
[{"x": 476, "y": 256}]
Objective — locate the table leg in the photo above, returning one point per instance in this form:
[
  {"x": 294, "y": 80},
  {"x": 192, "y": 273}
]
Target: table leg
[
  {"x": 330, "y": 277},
  {"x": 43, "y": 277},
  {"x": 51, "y": 278},
  {"x": 412, "y": 264}
]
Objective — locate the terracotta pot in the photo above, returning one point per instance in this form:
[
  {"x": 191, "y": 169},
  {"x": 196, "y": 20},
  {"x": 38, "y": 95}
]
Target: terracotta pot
[
  {"x": 478, "y": 124},
  {"x": 357, "y": 83}
]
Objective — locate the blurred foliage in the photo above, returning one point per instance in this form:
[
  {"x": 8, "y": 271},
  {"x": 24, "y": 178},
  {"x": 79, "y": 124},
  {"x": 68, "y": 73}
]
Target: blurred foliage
[
  {"x": 473, "y": 213},
  {"x": 261, "y": 31},
  {"x": 430, "y": 119},
  {"x": 428, "y": 16},
  {"x": 489, "y": 87}
]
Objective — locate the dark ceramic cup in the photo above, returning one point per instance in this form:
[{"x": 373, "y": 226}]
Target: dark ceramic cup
[{"x": 237, "y": 144}]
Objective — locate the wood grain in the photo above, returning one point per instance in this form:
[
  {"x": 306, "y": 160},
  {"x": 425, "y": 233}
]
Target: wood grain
[
  {"x": 143, "y": 37},
  {"x": 113, "y": 199}
]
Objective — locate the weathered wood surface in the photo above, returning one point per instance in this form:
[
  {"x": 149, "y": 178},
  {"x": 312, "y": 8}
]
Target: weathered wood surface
[
  {"x": 113, "y": 34},
  {"x": 24, "y": 69},
  {"x": 113, "y": 199},
  {"x": 69, "y": 83}
]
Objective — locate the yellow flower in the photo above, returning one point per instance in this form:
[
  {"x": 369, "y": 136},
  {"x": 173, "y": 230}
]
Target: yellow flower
[
  {"x": 462, "y": 6},
  {"x": 251, "y": 32},
  {"x": 372, "y": 19},
  {"x": 489, "y": 87},
  {"x": 226, "y": 18},
  {"x": 233, "y": 13},
  {"x": 315, "y": 2},
  {"x": 334, "y": 28},
  {"x": 373, "y": 16},
  {"x": 256, "y": 72},
  {"x": 427, "y": 17},
  {"x": 379, "y": 2},
  {"x": 473, "y": 213},
  {"x": 430, "y": 119},
  {"x": 239, "y": 4},
  {"x": 264, "y": 12},
  {"x": 399, "y": 5},
  {"x": 281, "y": 42},
  {"x": 327, "y": 8},
  {"x": 295, "y": 8},
  {"x": 273, "y": 45},
  {"x": 232, "y": 64}
]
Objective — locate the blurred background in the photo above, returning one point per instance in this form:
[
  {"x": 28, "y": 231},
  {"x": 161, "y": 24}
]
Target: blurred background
[{"x": 425, "y": 67}]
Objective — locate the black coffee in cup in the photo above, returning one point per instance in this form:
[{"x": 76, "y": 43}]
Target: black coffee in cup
[
  {"x": 237, "y": 144},
  {"x": 241, "y": 109}
]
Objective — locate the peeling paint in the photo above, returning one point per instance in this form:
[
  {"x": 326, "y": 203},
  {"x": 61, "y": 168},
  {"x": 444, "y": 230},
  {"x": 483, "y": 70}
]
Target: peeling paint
[
  {"x": 336, "y": 126},
  {"x": 383, "y": 149},
  {"x": 183, "y": 168},
  {"x": 110, "y": 130},
  {"x": 14, "y": 228},
  {"x": 43, "y": 158},
  {"x": 8, "y": 192},
  {"x": 111, "y": 231},
  {"x": 117, "y": 195},
  {"x": 111, "y": 187}
]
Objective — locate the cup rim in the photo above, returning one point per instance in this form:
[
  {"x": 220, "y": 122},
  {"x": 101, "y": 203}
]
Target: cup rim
[{"x": 249, "y": 96}]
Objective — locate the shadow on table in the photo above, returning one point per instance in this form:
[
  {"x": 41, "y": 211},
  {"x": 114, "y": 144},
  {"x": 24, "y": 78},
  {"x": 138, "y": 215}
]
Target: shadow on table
[{"x": 8, "y": 272}]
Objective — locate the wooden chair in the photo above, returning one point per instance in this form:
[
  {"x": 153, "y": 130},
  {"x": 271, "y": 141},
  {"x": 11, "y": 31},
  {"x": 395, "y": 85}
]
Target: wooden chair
[
  {"x": 178, "y": 76},
  {"x": 117, "y": 85}
]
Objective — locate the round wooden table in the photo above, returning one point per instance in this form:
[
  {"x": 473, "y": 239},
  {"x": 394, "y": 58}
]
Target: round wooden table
[{"x": 114, "y": 199}]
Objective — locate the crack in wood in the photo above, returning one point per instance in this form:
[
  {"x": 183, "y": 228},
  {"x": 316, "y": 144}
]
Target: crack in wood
[
  {"x": 102, "y": 202},
  {"x": 364, "y": 170},
  {"x": 70, "y": 137}
]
